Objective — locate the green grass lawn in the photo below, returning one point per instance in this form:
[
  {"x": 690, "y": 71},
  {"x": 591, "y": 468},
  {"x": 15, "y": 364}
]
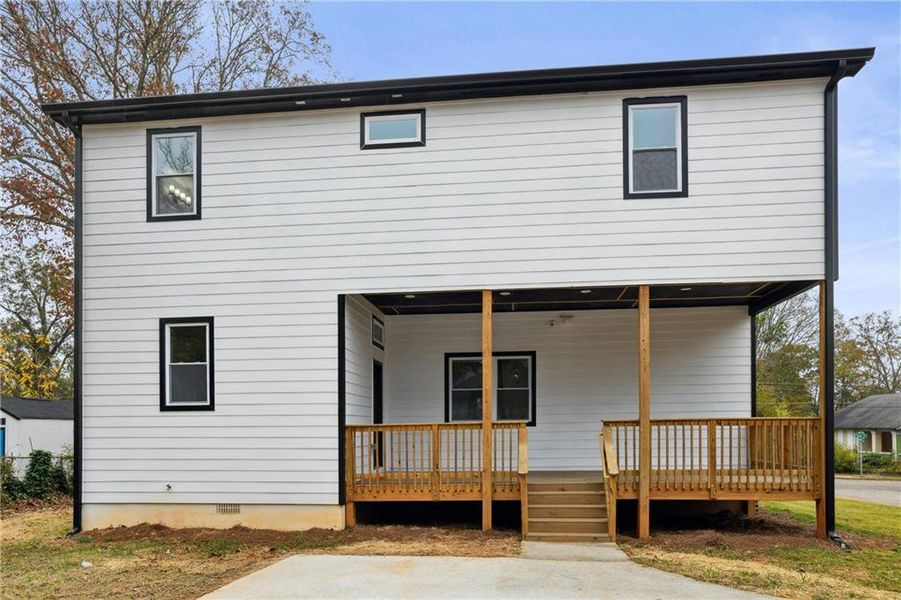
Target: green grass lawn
[{"x": 854, "y": 516}]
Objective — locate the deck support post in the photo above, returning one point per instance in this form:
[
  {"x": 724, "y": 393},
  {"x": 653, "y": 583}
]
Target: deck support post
[
  {"x": 644, "y": 412},
  {"x": 487, "y": 391},
  {"x": 523, "y": 476},
  {"x": 350, "y": 508},
  {"x": 823, "y": 470}
]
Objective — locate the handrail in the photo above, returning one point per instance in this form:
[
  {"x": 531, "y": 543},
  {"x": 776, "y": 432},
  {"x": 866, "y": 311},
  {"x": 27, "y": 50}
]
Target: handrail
[
  {"x": 610, "y": 457},
  {"x": 609, "y": 471}
]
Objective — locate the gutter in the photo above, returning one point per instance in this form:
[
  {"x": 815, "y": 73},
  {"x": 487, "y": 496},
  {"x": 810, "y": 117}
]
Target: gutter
[{"x": 463, "y": 87}]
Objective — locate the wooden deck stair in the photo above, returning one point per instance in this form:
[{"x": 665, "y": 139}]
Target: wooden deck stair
[{"x": 567, "y": 510}]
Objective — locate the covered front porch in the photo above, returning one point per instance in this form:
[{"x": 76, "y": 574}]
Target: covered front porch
[{"x": 559, "y": 417}]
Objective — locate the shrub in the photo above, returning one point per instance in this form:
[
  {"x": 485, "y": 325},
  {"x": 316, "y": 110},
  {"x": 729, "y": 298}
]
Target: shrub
[
  {"x": 39, "y": 477},
  {"x": 874, "y": 460},
  {"x": 64, "y": 475},
  {"x": 11, "y": 488},
  {"x": 845, "y": 460}
]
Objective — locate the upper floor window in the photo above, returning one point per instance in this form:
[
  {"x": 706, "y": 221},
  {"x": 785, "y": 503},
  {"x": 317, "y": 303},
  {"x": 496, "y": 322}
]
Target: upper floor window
[
  {"x": 394, "y": 129},
  {"x": 173, "y": 173},
  {"x": 655, "y": 140},
  {"x": 186, "y": 364}
]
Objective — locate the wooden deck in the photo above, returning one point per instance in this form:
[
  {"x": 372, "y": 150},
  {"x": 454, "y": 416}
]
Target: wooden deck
[{"x": 689, "y": 459}]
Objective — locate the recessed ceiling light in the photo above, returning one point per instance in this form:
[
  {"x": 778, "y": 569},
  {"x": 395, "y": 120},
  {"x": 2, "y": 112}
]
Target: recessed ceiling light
[
  {"x": 505, "y": 293},
  {"x": 584, "y": 291},
  {"x": 685, "y": 289},
  {"x": 409, "y": 296}
]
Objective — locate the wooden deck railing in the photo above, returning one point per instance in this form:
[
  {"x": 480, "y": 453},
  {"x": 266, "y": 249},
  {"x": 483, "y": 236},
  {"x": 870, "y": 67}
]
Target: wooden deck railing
[
  {"x": 431, "y": 461},
  {"x": 744, "y": 458},
  {"x": 610, "y": 472}
]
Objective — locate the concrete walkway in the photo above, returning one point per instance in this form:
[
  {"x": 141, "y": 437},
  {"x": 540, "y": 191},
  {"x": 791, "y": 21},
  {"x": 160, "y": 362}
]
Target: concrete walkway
[
  {"x": 881, "y": 491},
  {"x": 543, "y": 571}
]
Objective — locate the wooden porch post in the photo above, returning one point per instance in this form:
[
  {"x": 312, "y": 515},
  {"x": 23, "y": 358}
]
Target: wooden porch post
[
  {"x": 487, "y": 390},
  {"x": 822, "y": 468},
  {"x": 644, "y": 412}
]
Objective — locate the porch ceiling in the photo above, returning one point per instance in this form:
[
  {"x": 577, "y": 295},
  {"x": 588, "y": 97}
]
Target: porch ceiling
[{"x": 756, "y": 295}]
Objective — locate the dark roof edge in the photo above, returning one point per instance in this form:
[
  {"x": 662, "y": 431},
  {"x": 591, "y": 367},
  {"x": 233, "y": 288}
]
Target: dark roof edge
[
  {"x": 456, "y": 87},
  {"x": 3, "y": 409}
]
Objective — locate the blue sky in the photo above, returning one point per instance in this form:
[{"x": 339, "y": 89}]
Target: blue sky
[{"x": 385, "y": 40}]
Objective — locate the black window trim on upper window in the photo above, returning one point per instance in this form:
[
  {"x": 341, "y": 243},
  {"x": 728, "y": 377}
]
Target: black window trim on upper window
[
  {"x": 533, "y": 388},
  {"x": 195, "y": 129},
  {"x": 381, "y": 324},
  {"x": 386, "y": 113},
  {"x": 164, "y": 364},
  {"x": 683, "y": 141}
]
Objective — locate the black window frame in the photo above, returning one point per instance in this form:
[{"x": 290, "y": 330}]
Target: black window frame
[
  {"x": 164, "y": 365},
  {"x": 683, "y": 141},
  {"x": 386, "y": 113},
  {"x": 196, "y": 130},
  {"x": 533, "y": 384},
  {"x": 376, "y": 320}
]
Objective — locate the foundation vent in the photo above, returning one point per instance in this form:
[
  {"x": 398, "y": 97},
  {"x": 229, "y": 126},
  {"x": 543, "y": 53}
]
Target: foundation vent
[{"x": 228, "y": 509}]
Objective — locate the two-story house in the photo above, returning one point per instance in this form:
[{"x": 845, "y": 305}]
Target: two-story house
[{"x": 534, "y": 287}]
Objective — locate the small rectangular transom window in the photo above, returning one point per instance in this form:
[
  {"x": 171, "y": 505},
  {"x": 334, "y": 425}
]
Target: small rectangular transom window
[
  {"x": 378, "y": 333},
  {"x": 655, "y": 141},
  {"x": 186, "y": 363},
  {"x": 395, "y": 129},
  {"x": 173, "y": 174}
]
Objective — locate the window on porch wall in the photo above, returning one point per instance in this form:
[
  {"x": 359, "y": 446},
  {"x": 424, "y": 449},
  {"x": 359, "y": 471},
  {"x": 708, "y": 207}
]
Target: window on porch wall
[{"x": 512, "y": 388}]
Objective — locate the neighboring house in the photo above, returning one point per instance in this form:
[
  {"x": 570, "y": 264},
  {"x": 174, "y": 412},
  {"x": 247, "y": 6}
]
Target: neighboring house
[
  {"x": 284, "y": 296},
  {"x": 879, "y": 417},
  {"x": 28, "y": 424}
]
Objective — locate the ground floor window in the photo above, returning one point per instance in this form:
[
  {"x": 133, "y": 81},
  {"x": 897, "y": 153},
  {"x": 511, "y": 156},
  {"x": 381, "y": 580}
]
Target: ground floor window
[
  {"x": 514, "y": 387},
  {"x": 186, "y": 364}
]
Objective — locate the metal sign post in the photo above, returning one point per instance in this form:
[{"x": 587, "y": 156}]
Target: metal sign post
[{"x": 861, "y": 438}]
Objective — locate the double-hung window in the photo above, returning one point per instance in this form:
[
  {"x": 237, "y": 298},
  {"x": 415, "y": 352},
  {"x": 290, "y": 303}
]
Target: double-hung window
[
  {"x": 514, "y": 393},
  {"x": 173, "y": 174},
  {"x": 655, "y": 141},
  {"x": 393, "y": 129},
  {"x": 186, "y": 364}
]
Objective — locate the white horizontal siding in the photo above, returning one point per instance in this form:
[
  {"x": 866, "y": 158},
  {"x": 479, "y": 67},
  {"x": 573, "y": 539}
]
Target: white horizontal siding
[
  {"x": 586, "y": 371},
  {"x": 511, "y": 192},
  {"x": 359, "y": 353}
]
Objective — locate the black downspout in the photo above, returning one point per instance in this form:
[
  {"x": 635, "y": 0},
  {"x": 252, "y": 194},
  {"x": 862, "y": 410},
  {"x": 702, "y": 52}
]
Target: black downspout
[
  {"x": 342, "y": 401},
  {"x": 753, "y": 364},
  {"x": 77, "y": 359},
  {"x": 830, "y": 275}
]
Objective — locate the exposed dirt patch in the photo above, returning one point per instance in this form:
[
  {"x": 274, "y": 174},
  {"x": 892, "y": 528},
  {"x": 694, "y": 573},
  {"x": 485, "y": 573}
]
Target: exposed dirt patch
[
  {"x": 763, "y": 532},
  {"x": 363, "y": 539}
]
